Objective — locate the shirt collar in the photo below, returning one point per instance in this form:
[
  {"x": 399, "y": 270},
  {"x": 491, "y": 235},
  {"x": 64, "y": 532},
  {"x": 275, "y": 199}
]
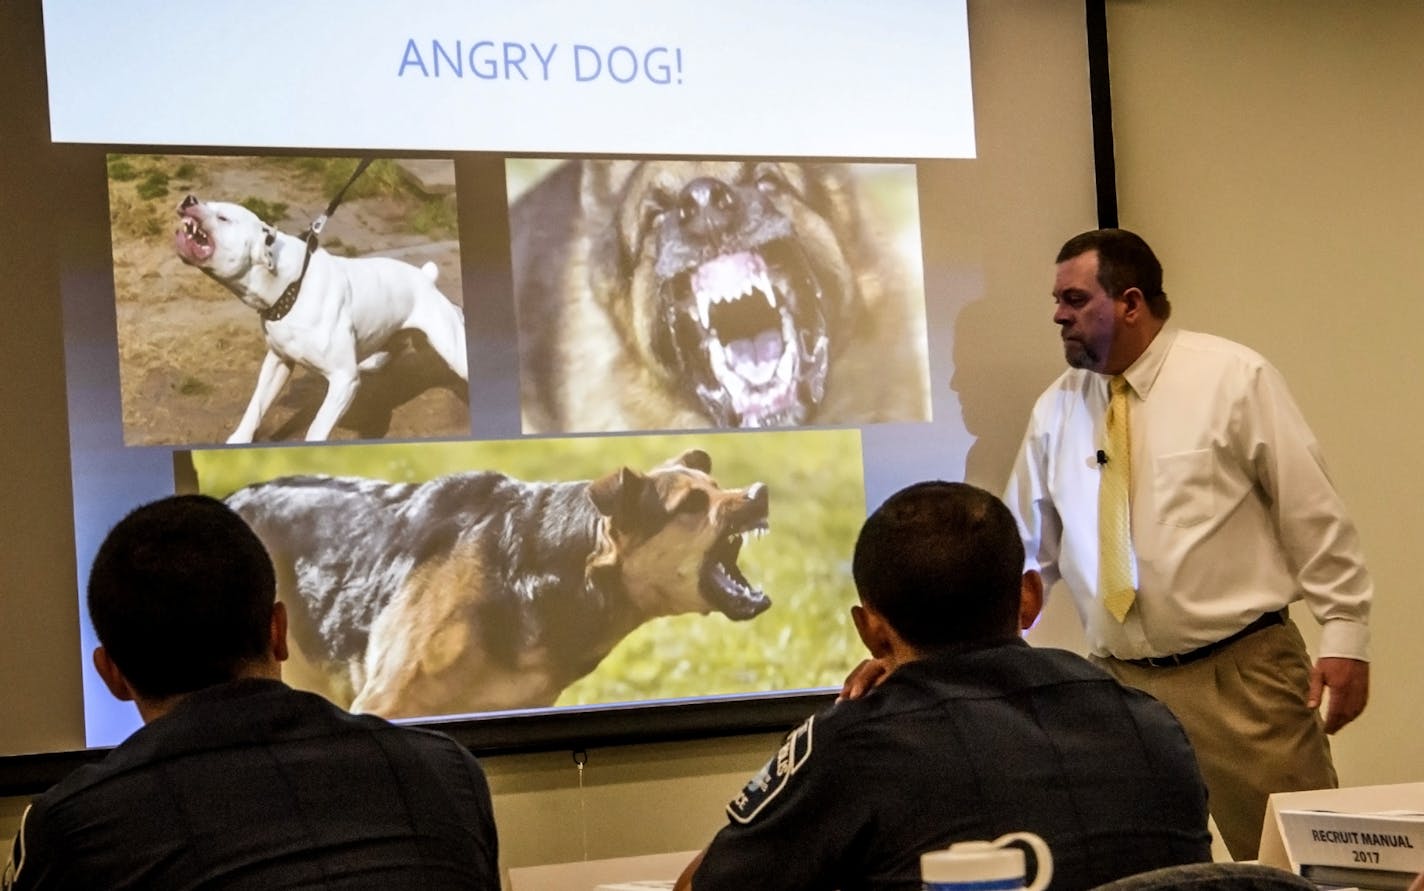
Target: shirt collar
[
  {"x": 955, "y": 651},
  {"x": 1142, "y": 373}
]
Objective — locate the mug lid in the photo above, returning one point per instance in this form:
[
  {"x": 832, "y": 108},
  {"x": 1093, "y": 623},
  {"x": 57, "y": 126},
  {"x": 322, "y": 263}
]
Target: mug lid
[{"x": 972, "y": 862}]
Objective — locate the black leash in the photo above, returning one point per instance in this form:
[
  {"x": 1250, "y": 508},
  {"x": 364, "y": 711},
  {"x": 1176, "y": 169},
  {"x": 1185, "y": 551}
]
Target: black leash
[{"x": 284, "y": 304}]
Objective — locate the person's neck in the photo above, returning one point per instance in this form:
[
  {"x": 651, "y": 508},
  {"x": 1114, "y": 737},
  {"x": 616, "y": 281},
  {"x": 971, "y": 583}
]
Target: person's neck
[
  {"x": 152, "y": 708},
  {"x": 1140, "y": 339},
  {"x": 900, "y": 653},
  {"x": 915, "y": 654}
]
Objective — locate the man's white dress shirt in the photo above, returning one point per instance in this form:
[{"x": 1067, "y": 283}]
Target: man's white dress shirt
[{"x": 1232, "y": 511}]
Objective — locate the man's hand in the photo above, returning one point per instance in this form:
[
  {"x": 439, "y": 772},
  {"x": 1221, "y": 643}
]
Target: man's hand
[
  {"x": 865, "y": 677},
  {"x": 1349, "y": 683}
]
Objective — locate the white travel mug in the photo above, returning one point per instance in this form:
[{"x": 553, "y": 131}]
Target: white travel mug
[{"x": 986, "y": 866}]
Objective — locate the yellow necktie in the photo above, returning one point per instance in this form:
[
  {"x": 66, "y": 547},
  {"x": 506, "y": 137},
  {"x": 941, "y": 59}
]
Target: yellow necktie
[{"x": 1114, "y": 530}]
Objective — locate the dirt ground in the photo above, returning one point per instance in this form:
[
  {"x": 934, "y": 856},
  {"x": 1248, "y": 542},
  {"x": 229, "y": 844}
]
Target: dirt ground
[{"x": 189, "y": 350}]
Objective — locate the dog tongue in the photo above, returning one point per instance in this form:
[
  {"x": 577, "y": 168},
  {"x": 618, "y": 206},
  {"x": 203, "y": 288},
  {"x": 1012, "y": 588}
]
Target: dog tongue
[
  {"x": 755, "y": 358},
  {"x": 190, "y": 249}
]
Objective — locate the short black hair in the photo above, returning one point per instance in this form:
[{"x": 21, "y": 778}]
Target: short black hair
[
  {"x": 1124, "y": 261},
  {"x": 181, "y": 595},
  {"x": 943, "y": 564}
]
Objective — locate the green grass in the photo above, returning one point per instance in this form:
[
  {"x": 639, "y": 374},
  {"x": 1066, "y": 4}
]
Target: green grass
[
  {"x": 132, "y": 217},
  {"x": 435, "y": 218},
  {"x": 270, "y": 212},
  {"x": 154, "y": 185},
  {"x": 139, "y": 180},
  {"x": 139, "y": 202},
  {"x": 804, "y": 640},
  {"x": 382, "y": 177},
  {"x": 192, "y": 386},
  {"x": 121, "y": 169}
]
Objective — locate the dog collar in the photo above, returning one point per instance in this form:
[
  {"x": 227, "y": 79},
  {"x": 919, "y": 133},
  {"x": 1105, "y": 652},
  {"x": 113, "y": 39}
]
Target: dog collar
[{"x": 278, "y": 311}]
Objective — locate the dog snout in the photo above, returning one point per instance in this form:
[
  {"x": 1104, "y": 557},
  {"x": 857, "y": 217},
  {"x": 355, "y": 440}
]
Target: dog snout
[
  {"x": 746, "y": 508},
  {"x": 758, "y": 494},
  {"x": 707, "y": 206},
  {"x": 188, "y": 202}
]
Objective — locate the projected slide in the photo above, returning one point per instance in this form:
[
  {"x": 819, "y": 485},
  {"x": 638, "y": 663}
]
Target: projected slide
[
  {"x": 458, "y": 578},
  {"x": 664, "y": 294},
  {"x": 205, "y": 247},
  {"x": 814, "y": 78},
  {"x": 577, "y": 399}
]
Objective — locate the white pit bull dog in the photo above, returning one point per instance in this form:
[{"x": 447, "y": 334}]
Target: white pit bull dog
[{"x": 346, "y": 310}]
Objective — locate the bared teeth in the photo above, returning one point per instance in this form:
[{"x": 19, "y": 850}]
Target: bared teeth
[
  {"x": 194, "y": 231},
  {"x": 741, "y": 537},
  {"x": 728, "y": 278}
]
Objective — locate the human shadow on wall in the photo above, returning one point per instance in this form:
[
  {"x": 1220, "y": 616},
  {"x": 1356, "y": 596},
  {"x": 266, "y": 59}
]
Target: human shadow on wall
[{"x": 995, "y": 395}]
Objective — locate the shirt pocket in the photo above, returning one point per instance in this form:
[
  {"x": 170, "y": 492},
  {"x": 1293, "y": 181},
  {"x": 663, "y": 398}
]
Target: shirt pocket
[{"x": 1183, "y": 487}]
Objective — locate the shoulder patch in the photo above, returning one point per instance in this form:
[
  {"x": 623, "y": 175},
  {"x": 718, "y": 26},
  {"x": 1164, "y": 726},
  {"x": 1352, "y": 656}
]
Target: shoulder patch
[{"x": 774, "y": 776}]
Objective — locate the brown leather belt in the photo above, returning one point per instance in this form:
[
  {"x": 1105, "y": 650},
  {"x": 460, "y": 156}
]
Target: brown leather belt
[{"x": 1266, "y": 620}]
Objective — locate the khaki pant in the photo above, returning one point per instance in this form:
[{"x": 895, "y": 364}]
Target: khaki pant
[{"x": 1243, "y": 708}]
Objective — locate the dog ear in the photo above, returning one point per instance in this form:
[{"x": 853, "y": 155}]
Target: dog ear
[
  {"x": 265, "y": 255},
  {"x": 600, "y": 183},
  {"x": 617, "y": 494},
  {"x": 616, "y": 497},
  {"x": 696, "y": 459},
  {"x": 693, "y": 459}
]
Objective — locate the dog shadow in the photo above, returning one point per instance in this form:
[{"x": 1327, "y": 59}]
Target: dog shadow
[{"x": 413, "y": 370}]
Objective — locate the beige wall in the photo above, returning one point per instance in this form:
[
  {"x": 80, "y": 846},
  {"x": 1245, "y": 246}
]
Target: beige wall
[
  {"x": 1270, "y": 150},
  {"x": 1273, "y": 153},
  {"x": 37, "y": 566}
]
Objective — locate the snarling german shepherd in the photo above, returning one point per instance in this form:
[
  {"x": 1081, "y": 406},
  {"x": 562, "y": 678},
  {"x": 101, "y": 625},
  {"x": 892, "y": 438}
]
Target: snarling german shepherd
[
  {"x": 682, "y": 294},
  {"x": 479, "y": 592}
]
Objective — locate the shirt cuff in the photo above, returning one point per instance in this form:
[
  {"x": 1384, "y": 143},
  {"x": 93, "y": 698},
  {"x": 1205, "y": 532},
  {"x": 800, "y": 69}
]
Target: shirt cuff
[{"x": 1346, "y": 639}]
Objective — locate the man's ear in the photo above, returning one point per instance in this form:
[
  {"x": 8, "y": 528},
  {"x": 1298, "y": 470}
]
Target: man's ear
[
  {"x": 1134, "y": 305},
  {"x": 873, "y": 630},
  {"x": 1030, "y": 599},
  {"x": 113, "y": 678},
  {"x": 278, "y": 632}
]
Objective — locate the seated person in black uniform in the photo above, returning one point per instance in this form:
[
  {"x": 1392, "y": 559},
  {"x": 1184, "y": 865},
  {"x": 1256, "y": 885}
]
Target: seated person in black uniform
[
  {"x": 236, "y": 780},
  {"x": 972, "y": 734}
]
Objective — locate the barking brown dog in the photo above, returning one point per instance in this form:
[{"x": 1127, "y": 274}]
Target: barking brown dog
[
  {"x": 690, "y": 294},
  {"x": 479, "y": 592}
]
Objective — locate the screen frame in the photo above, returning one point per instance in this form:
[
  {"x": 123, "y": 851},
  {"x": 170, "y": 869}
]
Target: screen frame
[
  {"x": 526, "y": 732},
  {"x": 582, "y": 728}
]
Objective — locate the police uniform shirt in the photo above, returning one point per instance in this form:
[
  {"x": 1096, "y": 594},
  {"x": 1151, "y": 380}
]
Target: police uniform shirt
[
  {"x": 961, "y": 746},
  {"x": 255, "y": 785}
]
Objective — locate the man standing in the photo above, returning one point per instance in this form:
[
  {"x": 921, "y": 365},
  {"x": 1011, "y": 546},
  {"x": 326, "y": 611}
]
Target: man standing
[
  {"x": 1171, "y": 482},
  {"x": 236, "y": 780},
  {"x": 970, "y": 735}
]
